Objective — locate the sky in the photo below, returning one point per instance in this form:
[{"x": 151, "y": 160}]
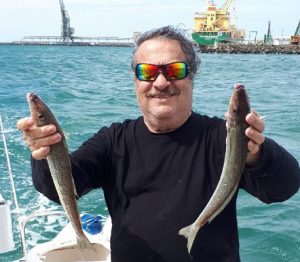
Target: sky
[{"x": 19, "y": 18}]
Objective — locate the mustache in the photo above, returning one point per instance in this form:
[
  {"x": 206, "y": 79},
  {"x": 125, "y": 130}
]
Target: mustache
[{"x": 169, "y": 91}]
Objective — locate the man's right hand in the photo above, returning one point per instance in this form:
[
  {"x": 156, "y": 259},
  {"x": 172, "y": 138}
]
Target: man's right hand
[{"x": 38, "y": 139}]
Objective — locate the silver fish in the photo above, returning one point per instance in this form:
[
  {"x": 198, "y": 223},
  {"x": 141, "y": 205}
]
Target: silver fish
[
  {"x": 234, "y": 162},
  {"x": 60, "y": 168}
]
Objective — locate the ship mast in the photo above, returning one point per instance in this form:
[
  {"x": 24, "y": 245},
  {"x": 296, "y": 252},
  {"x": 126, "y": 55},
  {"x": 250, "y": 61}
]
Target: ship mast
[
  {"x": 227, "y": 5},
  {"x": 66, "y": 31}
]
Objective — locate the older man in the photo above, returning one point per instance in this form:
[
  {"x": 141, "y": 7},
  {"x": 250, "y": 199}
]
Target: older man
[{"x": 159, "y": 170}]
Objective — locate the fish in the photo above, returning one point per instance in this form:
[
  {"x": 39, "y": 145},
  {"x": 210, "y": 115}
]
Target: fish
[
  {"x": 233, "y": 166},
  {"x": 60, "y": 168}
]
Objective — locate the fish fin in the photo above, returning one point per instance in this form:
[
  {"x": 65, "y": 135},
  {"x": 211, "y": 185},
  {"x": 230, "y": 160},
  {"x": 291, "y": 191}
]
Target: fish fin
[
  {"x": 74, "y": 189},
  {"x": 84, "y": 243},
  {"x": 190, "y": 233},
  {"x": 224, "y": 204}
]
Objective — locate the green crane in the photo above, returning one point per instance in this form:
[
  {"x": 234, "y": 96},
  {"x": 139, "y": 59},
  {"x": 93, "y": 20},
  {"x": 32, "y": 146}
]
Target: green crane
[{"x": 268, "y": 37}]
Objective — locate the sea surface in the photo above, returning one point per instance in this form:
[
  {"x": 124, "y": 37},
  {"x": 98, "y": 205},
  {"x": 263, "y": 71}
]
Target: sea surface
[{"x": 89, "y": 87}]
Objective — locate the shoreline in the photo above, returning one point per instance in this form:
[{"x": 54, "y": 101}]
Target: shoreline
[{"x": 229, "y": 48}]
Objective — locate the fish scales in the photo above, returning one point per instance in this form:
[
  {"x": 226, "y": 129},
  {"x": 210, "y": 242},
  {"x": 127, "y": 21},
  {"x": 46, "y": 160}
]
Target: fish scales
[
  {"x": 234, "y": 162},
  {"x": 60, "y": 167}
]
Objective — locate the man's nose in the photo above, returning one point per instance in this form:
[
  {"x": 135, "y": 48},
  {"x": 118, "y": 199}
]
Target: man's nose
[{"x": 161, "y": 81}]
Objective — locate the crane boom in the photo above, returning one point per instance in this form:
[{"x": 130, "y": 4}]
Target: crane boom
[
  {"x": 66, "y": 31},
  {"x": 227, "y": 4},
  {"x": 298, "y": 29},
  {"x": 62, "y": 5}
]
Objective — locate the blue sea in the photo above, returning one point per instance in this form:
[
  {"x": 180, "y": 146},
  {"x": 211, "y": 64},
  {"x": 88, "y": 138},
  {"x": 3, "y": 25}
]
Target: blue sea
[{"x": 89, "y": 87}]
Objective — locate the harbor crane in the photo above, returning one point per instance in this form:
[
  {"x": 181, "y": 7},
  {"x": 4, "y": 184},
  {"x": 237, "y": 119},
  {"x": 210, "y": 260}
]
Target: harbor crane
[
  {"x": 268, "y": 37},
  {"x": 66, "y": 30},
  {"x": 295, "y": 39},
  {"x": 227, "y": 4}
]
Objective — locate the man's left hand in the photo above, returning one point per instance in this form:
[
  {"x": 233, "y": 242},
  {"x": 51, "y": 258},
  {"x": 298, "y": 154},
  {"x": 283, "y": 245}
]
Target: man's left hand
[{"x": 256, "y": 137}]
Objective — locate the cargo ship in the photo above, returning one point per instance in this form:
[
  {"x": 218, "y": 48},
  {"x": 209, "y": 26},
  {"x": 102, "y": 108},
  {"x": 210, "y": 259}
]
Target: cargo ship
[{"x": 215, "y": 26}]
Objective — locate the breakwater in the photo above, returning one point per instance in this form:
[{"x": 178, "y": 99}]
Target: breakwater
[
  {"x": 251, "y": 49},
  {"x": 220, "y": 48}
]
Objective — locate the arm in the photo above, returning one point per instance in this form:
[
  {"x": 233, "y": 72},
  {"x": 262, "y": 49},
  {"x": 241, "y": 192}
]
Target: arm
[
  {"x": 271, "y": 173},
  {"x": 89, "y": 162},
  {"x": 275, "y": 178},
  {"x": 89, "y": 165}
]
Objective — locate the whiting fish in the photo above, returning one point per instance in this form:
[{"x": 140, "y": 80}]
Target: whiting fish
[
  {"x": 234, "y": 162},
  {"x": 60, "y": 168}
]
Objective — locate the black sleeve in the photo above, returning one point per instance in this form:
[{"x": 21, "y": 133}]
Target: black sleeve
[
  {"x": 90, "y": 164},
  {"x": 276, "y": 178},
  {"x": 42, "y": 180}
]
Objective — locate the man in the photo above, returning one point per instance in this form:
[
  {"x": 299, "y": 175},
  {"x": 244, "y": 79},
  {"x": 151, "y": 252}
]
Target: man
[{"x": 159, "y": 171}]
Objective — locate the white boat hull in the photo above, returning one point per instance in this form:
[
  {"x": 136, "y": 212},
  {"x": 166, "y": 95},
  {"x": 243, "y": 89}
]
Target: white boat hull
[{"x": 63, "y": 248}]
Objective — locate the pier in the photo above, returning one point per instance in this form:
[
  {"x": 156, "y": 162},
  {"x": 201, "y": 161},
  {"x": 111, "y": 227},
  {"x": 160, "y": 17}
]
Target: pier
[{"x": 76, "y": 41}]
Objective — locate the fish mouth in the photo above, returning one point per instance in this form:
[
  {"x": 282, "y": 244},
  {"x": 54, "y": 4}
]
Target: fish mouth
[
  {"x": 35, "y": 103},
  {"x": 31, "y": 97},
  {"x": 238, "y": 107},
  {"x": 238, "y": 86}
]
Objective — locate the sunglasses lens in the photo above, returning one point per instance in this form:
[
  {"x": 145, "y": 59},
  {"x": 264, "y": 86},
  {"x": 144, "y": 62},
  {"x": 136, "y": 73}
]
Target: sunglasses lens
[
  {"x": 146, "y": 72},
  {"x": 173, "y": 71},
  {"x": 176, "y": 70}
]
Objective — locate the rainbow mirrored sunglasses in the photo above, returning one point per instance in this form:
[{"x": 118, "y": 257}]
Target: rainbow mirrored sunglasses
[{"x": 172, "y": 71}]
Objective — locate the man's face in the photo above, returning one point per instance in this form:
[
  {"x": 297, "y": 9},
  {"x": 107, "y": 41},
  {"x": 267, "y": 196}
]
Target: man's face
[{"x": 162, "y": 99}]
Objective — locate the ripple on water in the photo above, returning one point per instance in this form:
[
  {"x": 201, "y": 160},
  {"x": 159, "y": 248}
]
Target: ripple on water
[{"x": 91, "y": 87}]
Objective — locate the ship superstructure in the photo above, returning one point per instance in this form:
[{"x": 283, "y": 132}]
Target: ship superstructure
[{"x": 214, "y": 25}]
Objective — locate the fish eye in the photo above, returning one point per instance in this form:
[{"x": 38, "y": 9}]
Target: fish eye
[{"x": 41, "y": 118}]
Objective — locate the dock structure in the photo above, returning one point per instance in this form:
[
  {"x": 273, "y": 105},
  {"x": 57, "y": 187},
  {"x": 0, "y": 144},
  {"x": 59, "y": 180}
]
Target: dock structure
[
  {"x": 76, "y": 41},
  {"x": 67, "y": 37}
]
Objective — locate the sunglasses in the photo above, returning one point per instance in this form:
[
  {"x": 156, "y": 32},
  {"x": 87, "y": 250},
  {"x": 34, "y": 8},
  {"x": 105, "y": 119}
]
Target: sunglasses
[{"x": 172, "y": 71}]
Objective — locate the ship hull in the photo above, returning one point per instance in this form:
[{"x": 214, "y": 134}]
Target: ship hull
[{"x": 211, "y": 38}]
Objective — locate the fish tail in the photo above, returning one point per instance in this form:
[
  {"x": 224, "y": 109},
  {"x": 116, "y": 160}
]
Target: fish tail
[
  {"x": 190, "y": 233},
  {"x": 84, "y": 243},
  {"x": 87, "y": 251}
]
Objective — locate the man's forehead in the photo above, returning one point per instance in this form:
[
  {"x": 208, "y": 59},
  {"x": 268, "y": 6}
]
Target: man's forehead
[
  {"x": 160, "y": 41},
  {"x": 160, "y": 48}
]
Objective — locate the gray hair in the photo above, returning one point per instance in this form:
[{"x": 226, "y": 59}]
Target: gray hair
[{"x": 170, "y": 32}]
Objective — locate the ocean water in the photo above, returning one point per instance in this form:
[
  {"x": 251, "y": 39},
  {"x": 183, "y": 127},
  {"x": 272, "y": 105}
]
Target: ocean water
[{"x": 88, "y": 87}]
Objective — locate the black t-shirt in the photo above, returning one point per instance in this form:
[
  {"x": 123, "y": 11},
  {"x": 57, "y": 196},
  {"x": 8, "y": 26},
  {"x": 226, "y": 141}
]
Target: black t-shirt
[{"x": 156, "y": 184}]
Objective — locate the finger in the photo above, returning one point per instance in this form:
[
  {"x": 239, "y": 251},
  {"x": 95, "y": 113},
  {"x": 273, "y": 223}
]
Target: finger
[
  {"x": 41, "y": 153},
  {"x": 254, "y": 135},
  {"x": 253, "y": 148},
  {"x": 39, "y": 132},
  {"x": 25, "y": 123},
  {"x": 255, "y": 121},
  {"x": 226, "y": 115},
  {"x": 35, "y": 144}
]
